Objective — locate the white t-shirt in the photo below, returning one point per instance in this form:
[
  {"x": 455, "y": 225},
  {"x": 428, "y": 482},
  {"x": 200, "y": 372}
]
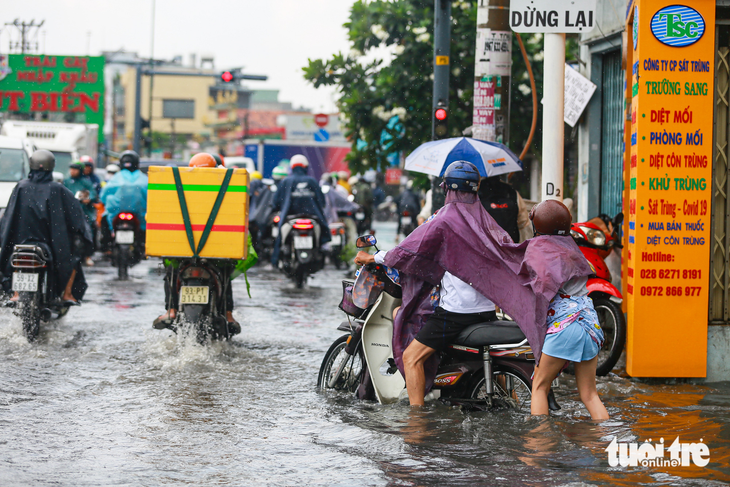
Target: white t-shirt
[{"x": 456, "y": 295}]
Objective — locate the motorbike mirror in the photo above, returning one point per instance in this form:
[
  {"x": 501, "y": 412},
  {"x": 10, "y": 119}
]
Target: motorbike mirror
[
  {"x": 82, "y": 195},
  {"x": 325, "y": 189},
  {"x": 618, "y": 219},
  {"x": 366, "y": 241}
]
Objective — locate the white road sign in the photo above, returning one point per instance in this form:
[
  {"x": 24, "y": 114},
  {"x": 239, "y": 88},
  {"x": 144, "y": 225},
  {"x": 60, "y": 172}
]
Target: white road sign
[{"x": 558, "y": 16}]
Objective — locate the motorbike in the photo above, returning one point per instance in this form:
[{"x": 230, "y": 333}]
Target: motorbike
[
  {"x": 337, "y": 243},
  {"x": 407, "y": 222},
  {"x": 300, "y": 255},
  {"x": 596, "y": 245},
  {"x": 32, "y": 281},
  {"x": 201, "y": 286},
  {"x": 128, "y": 248},
  {"x": 489, "y": 364}
]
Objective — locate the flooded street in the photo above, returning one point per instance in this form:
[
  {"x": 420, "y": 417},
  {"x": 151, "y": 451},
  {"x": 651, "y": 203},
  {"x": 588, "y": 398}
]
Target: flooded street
[{"x": 103, "y": 399}]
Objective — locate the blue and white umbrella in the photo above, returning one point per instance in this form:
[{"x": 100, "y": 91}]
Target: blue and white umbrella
[{"x": 491, "y": 158}]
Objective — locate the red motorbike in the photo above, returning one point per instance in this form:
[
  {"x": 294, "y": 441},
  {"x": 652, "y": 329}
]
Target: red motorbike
[{"x": 597, "y": 238}]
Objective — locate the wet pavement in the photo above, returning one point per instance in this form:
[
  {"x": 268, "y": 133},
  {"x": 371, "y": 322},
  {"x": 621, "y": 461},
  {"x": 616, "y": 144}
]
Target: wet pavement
[{"x": 103, "y": 399}]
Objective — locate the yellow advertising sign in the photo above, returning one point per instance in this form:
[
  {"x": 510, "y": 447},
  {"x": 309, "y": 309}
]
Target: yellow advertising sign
[
  {"x": 442, "y": 60},
  {"x": 671, "y": 73}
]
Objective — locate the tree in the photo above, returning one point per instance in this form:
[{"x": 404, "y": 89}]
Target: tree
[{"x": 372, "y": 91}]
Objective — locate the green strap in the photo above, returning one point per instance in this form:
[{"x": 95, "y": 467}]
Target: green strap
[
  {"x": 214, "y": 211},
  {"x": 184, "y": 209}
]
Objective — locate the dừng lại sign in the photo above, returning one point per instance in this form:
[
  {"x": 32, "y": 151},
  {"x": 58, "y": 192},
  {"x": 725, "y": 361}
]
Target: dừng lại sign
[
  {"x": 668, "y": 171},
  {"x": 42, "y": 83}
]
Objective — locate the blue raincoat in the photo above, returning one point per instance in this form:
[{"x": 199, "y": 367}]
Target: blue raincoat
[{"x": 126, "y": 191}]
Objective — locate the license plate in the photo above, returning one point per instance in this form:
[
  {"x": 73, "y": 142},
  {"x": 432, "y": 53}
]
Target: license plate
[
  {"x": 303, "y": 242},
  {"x": 360, "y": 216},
  {"x": 25, "y": 282},
  {"x": 405, "y": 220},
  {"x": 194, "y": 294},
  {"x": 125, "y": 237},
  {"x": 336, "y": 240},
  {"x": 274, "y": 232}
]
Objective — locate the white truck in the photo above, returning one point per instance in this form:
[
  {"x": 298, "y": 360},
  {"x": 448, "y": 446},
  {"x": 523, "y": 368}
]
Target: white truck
[
  {"x": 67, "y": 141},
  {"x": 14, "y": 165}
]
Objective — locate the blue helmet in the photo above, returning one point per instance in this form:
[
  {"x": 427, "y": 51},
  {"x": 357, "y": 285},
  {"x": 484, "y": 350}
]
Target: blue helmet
[{"x": 462, "y": 176}]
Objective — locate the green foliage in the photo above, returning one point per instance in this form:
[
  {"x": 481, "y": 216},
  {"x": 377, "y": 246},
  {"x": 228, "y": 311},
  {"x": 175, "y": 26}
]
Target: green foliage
[{"x": 371, "y": 90}]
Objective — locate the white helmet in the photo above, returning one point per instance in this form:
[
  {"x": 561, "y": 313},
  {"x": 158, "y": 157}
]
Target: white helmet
[
  {"x": 299, "y": 160},
  {"x": 112, "y": 168}
]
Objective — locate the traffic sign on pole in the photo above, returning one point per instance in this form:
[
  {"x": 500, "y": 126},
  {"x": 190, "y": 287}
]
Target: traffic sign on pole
[{"x": 556, "y": 16}]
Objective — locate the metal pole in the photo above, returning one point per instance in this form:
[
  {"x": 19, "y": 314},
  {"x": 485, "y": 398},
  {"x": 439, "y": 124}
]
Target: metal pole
[
  {"x": 137, "y": 109},
  {"x": 552, "y": 119},
  {"x": 152, "y": 76},
  {"x": 441, "y": 53}
]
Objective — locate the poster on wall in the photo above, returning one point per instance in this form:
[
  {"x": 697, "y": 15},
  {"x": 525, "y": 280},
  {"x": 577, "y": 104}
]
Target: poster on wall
[{"x": 669, "y": 180}]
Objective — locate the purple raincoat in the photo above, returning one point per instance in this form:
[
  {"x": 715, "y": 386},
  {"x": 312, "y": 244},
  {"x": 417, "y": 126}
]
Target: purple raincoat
[{"x": 464, "y": 240}]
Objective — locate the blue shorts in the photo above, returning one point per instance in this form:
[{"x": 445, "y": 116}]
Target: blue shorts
[{"x": 571, "y": 343}]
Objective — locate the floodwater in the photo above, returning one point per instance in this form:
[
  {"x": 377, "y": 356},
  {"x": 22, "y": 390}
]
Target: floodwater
[{"x": 103, "y": 399}]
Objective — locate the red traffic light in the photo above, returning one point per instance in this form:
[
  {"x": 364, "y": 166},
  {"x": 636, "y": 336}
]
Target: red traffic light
[
  {"x": 227, "y": 76},
  {"x": 440, "y": 114}
]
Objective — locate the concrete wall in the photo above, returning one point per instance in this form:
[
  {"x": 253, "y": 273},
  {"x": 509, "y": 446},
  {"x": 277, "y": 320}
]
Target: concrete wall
[{"x": 718, "y": 353}]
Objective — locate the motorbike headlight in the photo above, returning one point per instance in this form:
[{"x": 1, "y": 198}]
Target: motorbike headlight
[{"x": 594, "y": 236}]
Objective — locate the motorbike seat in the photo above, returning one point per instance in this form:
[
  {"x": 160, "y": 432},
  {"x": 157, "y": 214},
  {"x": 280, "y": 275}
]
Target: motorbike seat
[{"x": 490, "y": 333}]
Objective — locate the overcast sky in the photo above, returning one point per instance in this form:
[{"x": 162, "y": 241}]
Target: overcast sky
[{"x": 271, "y": 37}]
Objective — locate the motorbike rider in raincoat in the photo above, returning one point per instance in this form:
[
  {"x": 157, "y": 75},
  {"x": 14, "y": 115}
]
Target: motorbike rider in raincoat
[
  {"x": 85, "y": 192},
  {"x": 45, "y": 213},
  {"x": 126, "y": 191},
  {"x": 299, "y": 194},
  {"x": 460, "y": 305},
  {"x": 202, "y": 159}
]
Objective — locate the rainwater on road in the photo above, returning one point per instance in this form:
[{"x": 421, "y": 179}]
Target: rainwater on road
[{"x": 103, "y": 399}]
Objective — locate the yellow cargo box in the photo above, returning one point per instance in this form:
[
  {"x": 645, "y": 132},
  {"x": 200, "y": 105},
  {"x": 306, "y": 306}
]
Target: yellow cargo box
[{"x": 168, "y": 235}]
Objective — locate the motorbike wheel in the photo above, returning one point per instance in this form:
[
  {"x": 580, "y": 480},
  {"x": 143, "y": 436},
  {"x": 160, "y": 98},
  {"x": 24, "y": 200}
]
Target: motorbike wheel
[
  {"x": 613, "y": 323},
  {"x": 123, "y": 264},
  {"x": 351, "y": 367},
  {"x": 511, "y": 388},
  {"x": 300, "y": 277},
  {"x": 31, "y": 314}
]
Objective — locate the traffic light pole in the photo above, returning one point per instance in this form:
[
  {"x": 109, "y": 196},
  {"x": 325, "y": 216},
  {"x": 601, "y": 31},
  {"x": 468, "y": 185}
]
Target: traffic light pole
[
  {"x": 441, "y": 52},
  {"x": 137, "y": 109},
  {"x": 441, "y": 65}
]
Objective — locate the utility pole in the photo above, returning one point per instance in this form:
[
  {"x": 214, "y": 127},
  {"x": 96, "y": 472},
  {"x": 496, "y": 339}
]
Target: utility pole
[
  {"x": 25, "y": 44},
  {"x": 492, "y": 72},
  {"x": 553, "y": 129},
  {"x": 441, "y": 71}
]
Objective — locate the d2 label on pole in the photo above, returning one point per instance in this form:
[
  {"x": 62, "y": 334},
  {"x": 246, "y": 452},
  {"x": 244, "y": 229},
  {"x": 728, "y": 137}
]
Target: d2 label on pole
[{"x": 557, "y": 16}]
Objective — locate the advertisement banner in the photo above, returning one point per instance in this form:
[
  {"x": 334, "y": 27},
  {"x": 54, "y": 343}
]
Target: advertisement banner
[
  {"x": 671, "y": 75},
  {"x": 66, "y": 84}
]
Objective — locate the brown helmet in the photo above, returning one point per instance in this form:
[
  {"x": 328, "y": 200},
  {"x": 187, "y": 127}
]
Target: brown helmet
[
  {"x": 550, "y": 217},
  {"x": 202, "y": 159}
]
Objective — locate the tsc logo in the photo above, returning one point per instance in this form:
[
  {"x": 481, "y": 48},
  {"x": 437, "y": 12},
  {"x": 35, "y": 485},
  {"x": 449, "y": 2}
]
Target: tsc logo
[{"x": 677, "y": 25}]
